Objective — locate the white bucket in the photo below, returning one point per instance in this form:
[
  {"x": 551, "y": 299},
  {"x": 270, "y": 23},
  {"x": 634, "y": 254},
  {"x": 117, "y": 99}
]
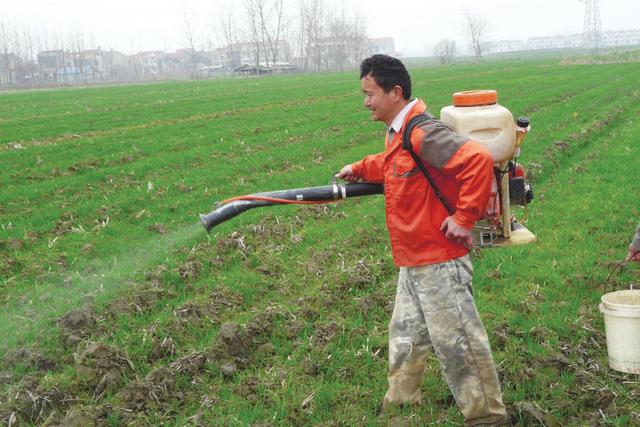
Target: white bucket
[{"x": 621, "y": 311}]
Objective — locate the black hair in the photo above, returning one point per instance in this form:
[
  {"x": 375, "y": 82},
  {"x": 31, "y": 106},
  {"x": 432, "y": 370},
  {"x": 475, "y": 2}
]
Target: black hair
[{"x": 387, "y": 72}]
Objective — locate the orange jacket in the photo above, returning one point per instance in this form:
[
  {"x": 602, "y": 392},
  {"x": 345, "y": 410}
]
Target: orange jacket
[{"x": 462, "y": 171}]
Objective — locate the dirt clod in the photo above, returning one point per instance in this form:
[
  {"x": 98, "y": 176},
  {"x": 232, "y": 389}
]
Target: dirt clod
[
  {"x": 157, "y": 387},
  {"x": 78, "y": 419},
  {"x": 195, "y": 314},
  {"x": 500, "y": 336},
  {"x": 234, "y": 338},
  {"x": 76, "y": 325},
  {"x": 249, "y": 389},
  {"x": 310, "y": 366},
  {"x": 236, "y": 344},
  {"x": 32, "y": 403},
  {"x": 160, "y": 385},
  {"x": 372, "y": 302},
  {"x": 162, "y": 348},
  {"x": 158, "y": 228},
  {"x": 102, "y": 367},
  {"x": 142, "y": 299},
  {"x": 224, "y": 297},
  {"x": 325, "y": 332},
  {"x": 228, "y": 369},
  {"x": 531, "y": 411},
  {"x": 32, "y": 359},
  {"x": 267, "y": 349},
  {"x": 190, "y": 364},
  {"x": 190, "y": 270},
  {"x": 5, "y": 378}
]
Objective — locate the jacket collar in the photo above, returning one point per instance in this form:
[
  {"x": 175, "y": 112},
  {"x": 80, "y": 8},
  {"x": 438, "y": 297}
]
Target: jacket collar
[
  {"x": 398, "y": 120},
  {"x": 417, "y": 108}
]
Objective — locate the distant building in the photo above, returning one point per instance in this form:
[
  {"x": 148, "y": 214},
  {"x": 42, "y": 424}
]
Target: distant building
[
  {"x": 89, "y": 66},
  {"x": 58, "y": 66},
  {"x": 264, "y": 69},
  {"x": 179, "y": 62},
  {"x": 567, "y": 41},
  {"x": 235, "y": 55},
  {"x": 621, "y": 38},
  {"x": 98, "y": 64},
  {"x": 149, "y": 64},
  {"x": 345, "y": 52},
  {"x": 573, "y": 41},
  {"x": 116, "y": 66},
  {"x": 503, "y": 46},
  {"x": 383, "y": 45}
]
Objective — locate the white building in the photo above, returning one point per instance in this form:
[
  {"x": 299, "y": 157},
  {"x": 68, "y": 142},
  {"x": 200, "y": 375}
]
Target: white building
[
  {"x": 566, "y": 41},
  {"x": 621, "y": 38},
  {"x": 383, "y": 45},
  {"x": 237, "y": 54},
  {"x": 503, "y": 46}
]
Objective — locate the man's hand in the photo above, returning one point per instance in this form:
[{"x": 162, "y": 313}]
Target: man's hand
[
  {"x": 453, "y": 231},
  {"x": 346, "y": 173},
  {"x": 633, "y": 254}
]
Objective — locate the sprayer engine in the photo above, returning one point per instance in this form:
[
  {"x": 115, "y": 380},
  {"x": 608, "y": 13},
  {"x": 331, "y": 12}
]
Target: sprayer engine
[{"x": 520, "y": 190}]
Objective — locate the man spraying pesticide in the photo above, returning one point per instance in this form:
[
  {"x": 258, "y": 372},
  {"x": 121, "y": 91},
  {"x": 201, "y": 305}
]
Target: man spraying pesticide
[
  {"x": 437, "y": 186},
  {"x": 430, "y": 223}
]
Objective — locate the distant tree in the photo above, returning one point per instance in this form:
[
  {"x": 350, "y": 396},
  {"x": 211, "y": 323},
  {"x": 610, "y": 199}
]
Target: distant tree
[
  {"x": 76, "y": 41},
  {"x": 31, "y": 43},
  {"x": 445, "y": 50},
  {"x": 477, "y": 30},
  {"x": 346, "y": 39},
  {"x": 313, "y": 17},
  {"x": 252, "y": 8},
  {"x": 191, "y": 44},
  {"x": 336, "y": 54},
  {"x": 299, "y": 37},
  {"x": 271, "y": 20},
  {"x": 358, "y": 39},
  {"x": 230, "y": 35}
]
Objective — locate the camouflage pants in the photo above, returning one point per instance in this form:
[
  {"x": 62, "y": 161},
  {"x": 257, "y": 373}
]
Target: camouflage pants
[{"x": 434, "y": 308}]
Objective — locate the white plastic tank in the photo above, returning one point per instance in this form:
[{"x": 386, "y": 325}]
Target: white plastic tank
[{"x": 477, "y": 115}]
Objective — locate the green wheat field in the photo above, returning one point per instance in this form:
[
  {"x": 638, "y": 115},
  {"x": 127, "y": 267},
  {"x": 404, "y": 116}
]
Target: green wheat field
[{"x": 117, "y": 308}]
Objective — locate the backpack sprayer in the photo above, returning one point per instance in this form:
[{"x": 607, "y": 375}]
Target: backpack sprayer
[{"x": 476, "y": 115}]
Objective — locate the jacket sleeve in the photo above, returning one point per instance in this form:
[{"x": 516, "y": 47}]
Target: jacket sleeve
[
  {"x": 472, "y": 167},
  {"x": 370, "y": 168}
]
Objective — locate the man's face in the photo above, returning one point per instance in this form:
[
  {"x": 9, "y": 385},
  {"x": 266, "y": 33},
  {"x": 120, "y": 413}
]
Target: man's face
[{"x": 383, "y": 106}]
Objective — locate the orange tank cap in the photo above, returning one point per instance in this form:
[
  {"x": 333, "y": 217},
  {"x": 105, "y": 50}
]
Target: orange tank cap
[{"x": 474, "y": 98}]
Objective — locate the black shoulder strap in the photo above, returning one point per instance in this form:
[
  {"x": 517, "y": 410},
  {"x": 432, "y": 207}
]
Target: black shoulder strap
[{"x": 420, "y": 120}]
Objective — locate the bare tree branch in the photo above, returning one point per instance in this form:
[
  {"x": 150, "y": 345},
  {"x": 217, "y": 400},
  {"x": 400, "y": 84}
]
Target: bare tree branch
[
  {"x": 251, "y": 7},
  {"x": 477, "y": 30},
  {"x": 191, "y": 43},
  {"x": 229, "y": 28},
  {"x": 445, "y": 50}
]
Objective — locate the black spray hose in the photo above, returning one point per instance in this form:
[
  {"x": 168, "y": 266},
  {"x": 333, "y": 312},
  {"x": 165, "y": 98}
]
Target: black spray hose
[{"x": 310, "y": 195}]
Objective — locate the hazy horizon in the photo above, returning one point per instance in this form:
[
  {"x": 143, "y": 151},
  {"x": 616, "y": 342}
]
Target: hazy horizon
[{"x": 415, "y": 26}]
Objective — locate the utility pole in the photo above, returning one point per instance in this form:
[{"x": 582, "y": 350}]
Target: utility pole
[{"x": 591, "y": 33}]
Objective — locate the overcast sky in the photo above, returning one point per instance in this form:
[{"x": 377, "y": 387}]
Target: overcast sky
[{"x": 135, "y": 25}]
